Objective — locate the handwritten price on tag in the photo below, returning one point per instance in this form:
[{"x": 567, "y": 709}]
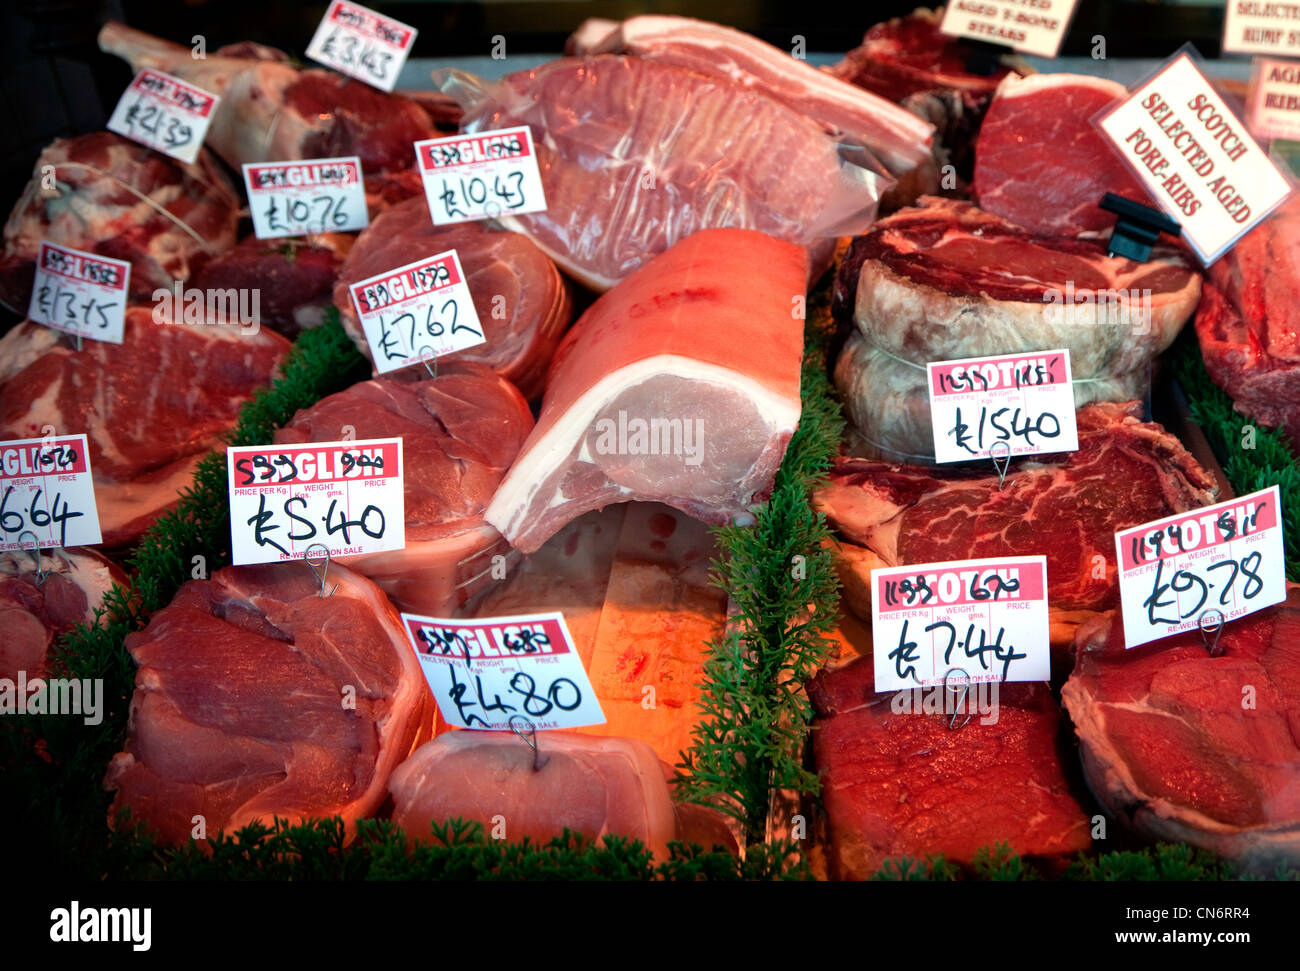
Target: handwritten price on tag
[
  {"x": 146, "y": 116},
  {"x": 346, "y": 494},
  {"x": 90, "y": 315},
  {"x": 361, "y": 43},
  {"x": 45, "y": 488},
  {"x": 480, "y": 176}
]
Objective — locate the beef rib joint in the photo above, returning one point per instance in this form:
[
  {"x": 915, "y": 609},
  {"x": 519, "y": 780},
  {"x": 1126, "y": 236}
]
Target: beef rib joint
[
  {"x": 1066, "y": 506},
  {"x": 238, "y": 712},
  {"x": 1039, "y": 162},
  {"x": 1171, "y": 747},
  {"x": 680, "y": 385}
]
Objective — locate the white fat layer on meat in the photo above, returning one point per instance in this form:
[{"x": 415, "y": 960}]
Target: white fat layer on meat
[
  {"x": 912, "y": 132},
  {"x": 23, "y": 345},
  {"x": 1015, "y": 86},
  {"x": 515, "y": 496}
]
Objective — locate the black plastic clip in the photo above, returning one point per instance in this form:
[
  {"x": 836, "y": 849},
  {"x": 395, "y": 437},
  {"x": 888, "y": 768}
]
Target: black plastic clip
[
  {"x": 1137, "y": 228},
  {"x": 984, "y": 58}
]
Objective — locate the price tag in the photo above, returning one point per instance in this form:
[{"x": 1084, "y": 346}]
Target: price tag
[
  {"x": 1255, "y": 27},
  {"x": 164, "y": 113},
  {"x": 1195, "y": 157},
  {"x": 1025, "y": 400},
  {"x": 1226, "y": 557},
  {"x": 1274, "y": 110},
  {"x": 418, "y": 311},
  {"x": 481, "y": 176},
  {"x": 46, "y": 489},
  {"x": 80, "y": 293},
  {"x": 286, "y": 498},
  {"x": 985, "y": 620},
  {"x": 321, "y": 195},
  {"x": 362, "y": 44},
  {"x": 484, "y": 671},
  {"x": 1035, "y": 29}
]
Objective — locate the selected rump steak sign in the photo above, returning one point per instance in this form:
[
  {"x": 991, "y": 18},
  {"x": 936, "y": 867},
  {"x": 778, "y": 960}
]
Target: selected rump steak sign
[{"x": 1195, "y": 156}]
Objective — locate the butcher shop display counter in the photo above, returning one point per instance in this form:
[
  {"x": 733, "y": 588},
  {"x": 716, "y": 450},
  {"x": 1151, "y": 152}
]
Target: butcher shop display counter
[{"x": 676, "y": 458}]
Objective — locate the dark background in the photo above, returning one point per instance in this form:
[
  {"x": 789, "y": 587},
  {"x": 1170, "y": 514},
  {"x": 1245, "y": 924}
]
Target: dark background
[{"x": 54, "y": 81}]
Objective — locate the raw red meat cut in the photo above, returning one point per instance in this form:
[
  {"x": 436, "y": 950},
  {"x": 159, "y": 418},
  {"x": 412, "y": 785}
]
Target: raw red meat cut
[
  {"x": 150, "y": 407},
  {"x": 1186, "y": 747},
  {"x": 241, "y": 706},
  {"x": 908, "y": 55},
  {"x": 1065, "y": 506},
  {"x": 636, "y": 155},
  {"x": 594, "y": 786},
  {"x": 35, "y": 612},
  {"x": 702, "y": 342},
  {"x": 1248, "y": 323},
  {"x": 908, "y": 61},
  {"x": 945, "y": 280},
  {"x": 1039, "y": 162},
  {"x": 113, "y": 197},
  {"x": 460, "y": 432},
  {"x": 522, "y": 301},
  {"x": 896, "y": 137},
  {"x": 273, "y": 111},
  {"x": 906, "y": 785},
  {"x": 294, "y": 280},
  {"x": 442, "y": 111}
]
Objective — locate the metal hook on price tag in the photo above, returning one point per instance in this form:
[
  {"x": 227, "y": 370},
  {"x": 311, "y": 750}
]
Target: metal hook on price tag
[
  {"x": 1211, "y": 624},
  {"x": 36, "y": 553},
  {"x": 961, "y": 701},
  {"x": 425, "y": 359},
  {"x": 530, "y": 739},
  {"x": 324, "y": 566},
  {"x": 1001, "y": 467},
  {"x": 493, "y": 209}
]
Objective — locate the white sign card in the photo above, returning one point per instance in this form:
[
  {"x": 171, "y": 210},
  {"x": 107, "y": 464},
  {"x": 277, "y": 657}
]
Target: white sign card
[
  {"x": 47, "y": 490},
  {"x": 164, "y": 113},
  {"x": 80, "y": 293},
  {"x": 481, "y": 176},
  {"x": 319, "y": 195}
]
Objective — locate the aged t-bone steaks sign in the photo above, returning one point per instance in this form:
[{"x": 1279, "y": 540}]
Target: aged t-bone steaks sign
[{"x": 1029, "y": 26}]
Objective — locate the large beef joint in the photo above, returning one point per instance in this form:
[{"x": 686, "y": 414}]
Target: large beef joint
[
  {"x": 1187, "y": 747},
  {"x": 905, "y": 784},
  {"x": 258, "y": 697}
]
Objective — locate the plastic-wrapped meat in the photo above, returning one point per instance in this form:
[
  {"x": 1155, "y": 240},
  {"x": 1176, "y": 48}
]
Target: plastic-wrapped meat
[
  {"x": 460, "y": 432},
  {"x": 111, "y": 196},
  {"x": 592, "y": 786},
  {"x": 899, "y": 139},
  {"x": 35, "y": 611},
  {"x": 680, "y": 385},
  {"x": 151, "y": 407},
  {"x": 636, "y": 155},
  {"x": 241, "y": 708},
  {"x": 522, "y": 301},
  {"x": 271, "y": 111},
  {"x": 294, "y": 280}
]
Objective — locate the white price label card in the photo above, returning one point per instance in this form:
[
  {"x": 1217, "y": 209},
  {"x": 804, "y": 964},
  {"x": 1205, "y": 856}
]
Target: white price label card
[
  {"x": 1274, "y": 107},
  {"x": 1023, "y": 400},
  {"x": 80, "y": 293},
  {"x": 417, "y": 312},
  {"x": 1195, "y": 157},
  {"x": 284, "y": 499},
  {"x": 319, "y": 195},
  {"x": 360, "y": 43},
  {"x": 1261, "y": 27},
  {"x": 164, "y": 113},
  {"x": 481, "y": 176},
  {"x": 1226, "y": 557},
  {"x": 966, "y": 620},
  {"x": 485, "y": 670},
  {"x": 47, "y": 491},
  {"x": 1036, "y": 28}
]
